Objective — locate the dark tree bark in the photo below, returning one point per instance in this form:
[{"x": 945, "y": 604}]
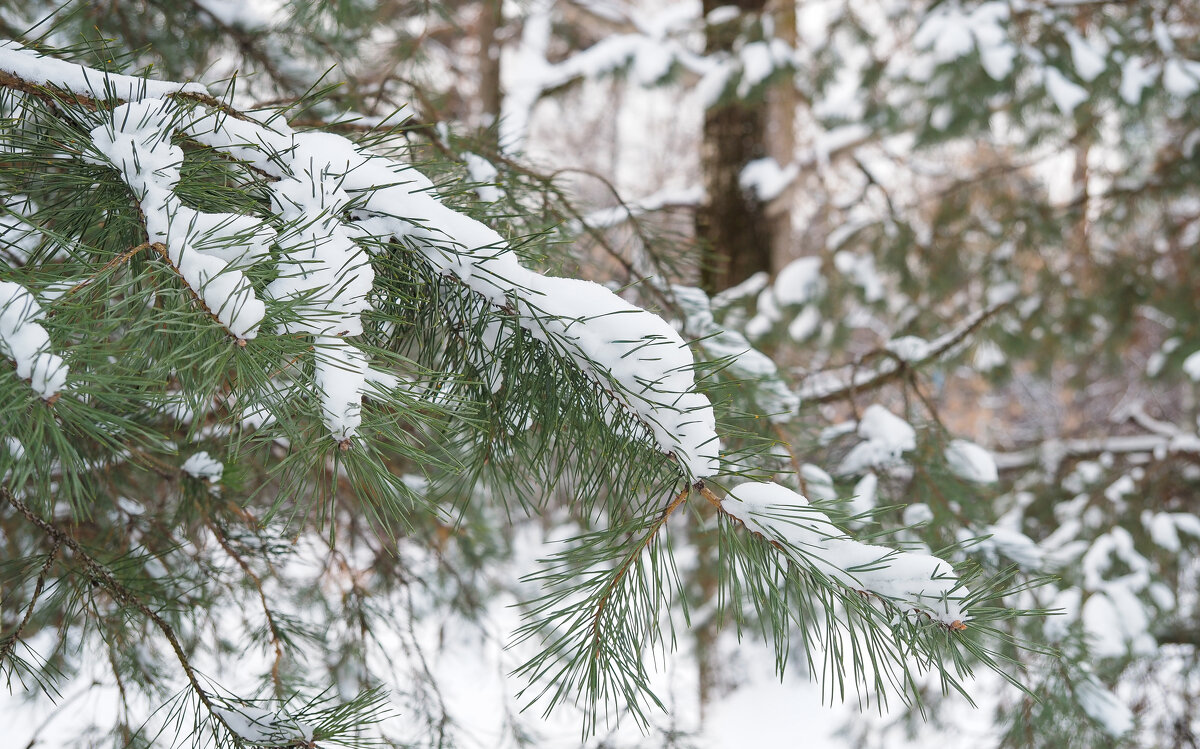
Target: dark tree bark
[
  {"x": 734, "y": 234},
  {"x": 731, "y": 226},
  {"x": 490, "y": 19}
]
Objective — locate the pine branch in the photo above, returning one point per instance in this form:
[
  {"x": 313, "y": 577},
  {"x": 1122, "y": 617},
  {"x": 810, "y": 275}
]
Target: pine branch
[
  {"x": 10, "y": 641},
  {"x": 272, "y": 627},
  {"x": 100, "y": 574},
  {"x": 820, "y": 388},
  {"x": 651, "y": 534}
]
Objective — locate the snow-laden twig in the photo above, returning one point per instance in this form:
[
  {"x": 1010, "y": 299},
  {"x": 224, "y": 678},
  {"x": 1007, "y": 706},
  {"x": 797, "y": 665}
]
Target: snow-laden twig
[
  {"x": 1051, "y": 453},
  {"x": 635, "y": 355},
  {"x": 26, "y": 342},
  {"x": 26, "y": 69},
  {"x": 824, "y": 387},
  {"x": 203, "y": 248},
  {"x": 334, "y": 195},
  {"x": 785, "y": 519}
]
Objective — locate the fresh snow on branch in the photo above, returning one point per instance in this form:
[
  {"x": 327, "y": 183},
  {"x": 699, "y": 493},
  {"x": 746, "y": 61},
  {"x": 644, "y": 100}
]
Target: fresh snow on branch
[
  {"x": 331, "y": 193},
  {"x": 29, "y": 66},
  {"x": 26, "y": 343},
  {"x": 263, "y": 727},
  {"x": 905, "y": 578},
  {"x": 635, "y": 353},
  {"x": 137, "y": 143},
  {"x": 971, "y": 462}
]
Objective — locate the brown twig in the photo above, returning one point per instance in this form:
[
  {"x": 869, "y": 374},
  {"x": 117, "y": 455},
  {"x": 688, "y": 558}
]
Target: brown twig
[
  {"x": 663, "y": 517},
  {"x": 276, "y": 640},
  {"x": 103, "y": 577},
  {"x": 883, "y": 375},
  {"x": 11, "y": 641}
]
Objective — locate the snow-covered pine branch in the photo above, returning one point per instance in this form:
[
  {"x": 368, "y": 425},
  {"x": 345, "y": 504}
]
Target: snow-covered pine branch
[{"x": 293, "y": 375}]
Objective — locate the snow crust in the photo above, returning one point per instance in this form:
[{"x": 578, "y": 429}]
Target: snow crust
[
  {"x": 971, "y": 462},
  {"x": 28, "y": 65},
  {"x": 923, "y": 582},
  {"x": 26, "y": 343},
  {"x": 885, "y": 436},
  {"x": 136, "y": 142},
  {"x": 332, "y": 193}
]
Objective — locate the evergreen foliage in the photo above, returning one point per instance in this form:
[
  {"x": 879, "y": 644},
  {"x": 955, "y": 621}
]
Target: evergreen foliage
[{"x": 275, "y": 529}]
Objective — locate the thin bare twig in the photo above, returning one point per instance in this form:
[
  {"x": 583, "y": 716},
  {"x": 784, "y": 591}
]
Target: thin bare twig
[
  {"x": 11, "y": 640},
  {"x": 663, "y": 517},
  {"x": 103, "y": 577}
]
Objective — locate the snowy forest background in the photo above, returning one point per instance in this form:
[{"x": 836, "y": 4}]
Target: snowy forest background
[{"x": 310, "y": 441}]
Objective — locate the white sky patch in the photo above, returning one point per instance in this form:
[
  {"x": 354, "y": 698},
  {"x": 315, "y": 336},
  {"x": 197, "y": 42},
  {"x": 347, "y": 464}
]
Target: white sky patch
[{"x": 26, "y": 342}]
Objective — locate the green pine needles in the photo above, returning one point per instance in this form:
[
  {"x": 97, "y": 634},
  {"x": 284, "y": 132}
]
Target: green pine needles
[{"x": 273, "y": 415}]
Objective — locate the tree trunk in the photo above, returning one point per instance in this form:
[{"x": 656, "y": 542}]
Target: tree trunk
[
  {"x": 490, "y": 19},
  {"x": 782, "y": 100},
  {"x": 731, "y": 225},
  {"x": 734, "y": 235}
]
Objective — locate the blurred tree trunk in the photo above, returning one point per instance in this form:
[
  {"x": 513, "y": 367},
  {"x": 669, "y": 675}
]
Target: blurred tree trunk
[
  {"x": 737, "y": 238},
  {"x": 782, "y": 100},
  {"x": 731, "y": 225},
  {"x": 490, "y": 19}
]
